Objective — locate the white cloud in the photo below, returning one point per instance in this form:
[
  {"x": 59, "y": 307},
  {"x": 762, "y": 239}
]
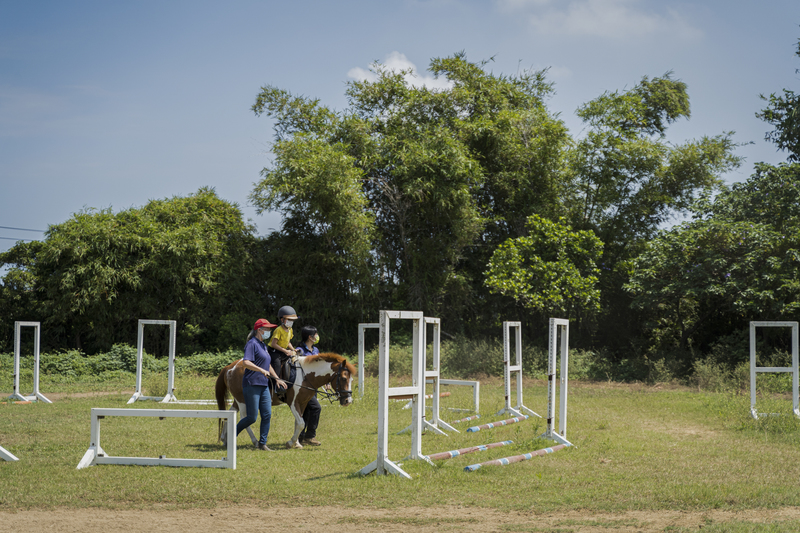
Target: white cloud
[
  {"x": 609, "y": 19},
  {"x": 397, "y": 62}
]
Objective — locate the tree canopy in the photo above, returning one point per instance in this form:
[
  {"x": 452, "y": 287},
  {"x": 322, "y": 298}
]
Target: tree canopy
[{"x": 185, "y": 259}]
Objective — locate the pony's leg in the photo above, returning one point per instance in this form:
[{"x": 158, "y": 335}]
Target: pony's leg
[
  {"x": 299, "y": 423},
  {"x": 223, "y": 434}
]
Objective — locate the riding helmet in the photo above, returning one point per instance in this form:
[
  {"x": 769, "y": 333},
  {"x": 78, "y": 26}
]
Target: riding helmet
[{"x": 287, "y": 311}]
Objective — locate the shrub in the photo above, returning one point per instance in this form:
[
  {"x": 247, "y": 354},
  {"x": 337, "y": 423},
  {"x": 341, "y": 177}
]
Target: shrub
[
  {"x": 206, "y": 363},
  {"x": 68, "y": 364}
]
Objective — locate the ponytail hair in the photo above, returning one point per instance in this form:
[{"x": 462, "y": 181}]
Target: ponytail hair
[{"x": 250, "y": 336}]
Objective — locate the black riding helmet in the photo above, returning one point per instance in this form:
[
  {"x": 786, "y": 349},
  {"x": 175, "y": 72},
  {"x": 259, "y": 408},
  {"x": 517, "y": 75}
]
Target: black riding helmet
[{"x": 287, "y": 311}]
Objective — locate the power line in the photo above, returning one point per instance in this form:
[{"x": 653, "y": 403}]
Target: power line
[
  {"x": 13, "y": 239},
  {"x": 22, "y": 229}
]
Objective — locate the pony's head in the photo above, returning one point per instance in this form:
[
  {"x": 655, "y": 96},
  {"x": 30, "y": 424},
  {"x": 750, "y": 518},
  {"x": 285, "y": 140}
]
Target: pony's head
[{"x": 342, "y": 378}]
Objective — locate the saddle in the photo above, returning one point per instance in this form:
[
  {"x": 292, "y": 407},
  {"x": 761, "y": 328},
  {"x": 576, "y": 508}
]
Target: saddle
[{"x": 285, "y": 369}]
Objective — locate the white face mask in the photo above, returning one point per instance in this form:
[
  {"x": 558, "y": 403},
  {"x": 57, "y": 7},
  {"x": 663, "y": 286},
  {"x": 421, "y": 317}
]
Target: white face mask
[
  {"x": 289, "y": 323},
  {"x": 265, "y": 333}
]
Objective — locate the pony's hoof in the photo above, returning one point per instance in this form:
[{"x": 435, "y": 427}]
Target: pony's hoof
[{"x": 295, "y": 445}]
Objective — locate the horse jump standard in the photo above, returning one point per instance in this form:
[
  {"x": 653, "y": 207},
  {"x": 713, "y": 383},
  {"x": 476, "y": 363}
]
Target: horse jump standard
[
  {"x": 435, "y": 424},
  {"x": 95, "y": 455},
  {"x": 361, "y": 328},
  {"x": 508, "y": 368},
  {"x": 560, "y": 436},
  {"x": 137, "y": 394},
  {"x": 7, "y": 455},
  {"x": 515, "y": 458},
  {"x": 382, "y": 465},
  {"x": 36, "y": 335},
  {"x": 793, "y": 369}
]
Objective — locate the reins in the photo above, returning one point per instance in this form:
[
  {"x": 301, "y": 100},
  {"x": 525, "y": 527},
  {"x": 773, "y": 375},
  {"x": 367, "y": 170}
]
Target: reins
[{"x": 330, "y": 396}]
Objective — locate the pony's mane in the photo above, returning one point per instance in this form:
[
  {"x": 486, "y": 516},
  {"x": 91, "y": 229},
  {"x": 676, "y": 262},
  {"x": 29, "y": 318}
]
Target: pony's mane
[{"x": 330, "y": 357}]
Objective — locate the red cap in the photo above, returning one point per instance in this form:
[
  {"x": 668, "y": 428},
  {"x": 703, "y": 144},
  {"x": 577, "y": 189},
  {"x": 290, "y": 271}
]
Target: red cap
[{"x": 264, "y": 323}]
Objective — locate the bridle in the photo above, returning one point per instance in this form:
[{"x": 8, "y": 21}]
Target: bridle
[
  {"x": 338, "y": 381},
  {"x": 341, "y": 383}
]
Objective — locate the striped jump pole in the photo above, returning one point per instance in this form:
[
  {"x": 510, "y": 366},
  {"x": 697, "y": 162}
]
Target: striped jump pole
[
  {"x": 490, "y": 425},
  {"x": 515, "y": 458},
  {"x": 471, "y": 449},
  {"x": 473, "y": 417}
]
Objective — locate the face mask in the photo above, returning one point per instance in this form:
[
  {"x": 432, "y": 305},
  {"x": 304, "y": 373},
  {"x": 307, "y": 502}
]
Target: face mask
[
  {"x": 289, "y": 323},
  {"x": 265, "y": 333},
  {"x": 316, "y": 339}
]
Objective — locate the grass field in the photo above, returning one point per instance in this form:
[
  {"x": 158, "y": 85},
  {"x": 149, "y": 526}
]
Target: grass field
[{"x": 637, "y": 448}]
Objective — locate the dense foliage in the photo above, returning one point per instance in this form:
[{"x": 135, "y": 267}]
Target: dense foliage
[
  {"x": 473, "y": 203},
  {"x": 184, "y": 259}
]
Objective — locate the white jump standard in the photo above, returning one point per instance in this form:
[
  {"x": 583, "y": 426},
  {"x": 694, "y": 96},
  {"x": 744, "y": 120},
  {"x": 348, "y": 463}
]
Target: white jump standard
[
  {"x": 792, "y": 370},
  {"x": 382, "y": 465},
  {"x": 36, "y": 395},
  {"x": 361, "y": 328},
  {"x": 95, "y": 455},
  {"x": 137, "y": 394},
  {"x": 517, "y": 368},
  {"x": 6, "y": 455},
  {"x": 554, "y": 347},
  {"x": 435, "y": 424}
]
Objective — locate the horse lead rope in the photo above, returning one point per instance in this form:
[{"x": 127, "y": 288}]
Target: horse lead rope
[{"x": 330, "y": 396}]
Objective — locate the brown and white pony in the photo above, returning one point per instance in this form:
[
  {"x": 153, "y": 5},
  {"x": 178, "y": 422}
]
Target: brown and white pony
[{"x": 313, "y": 372}]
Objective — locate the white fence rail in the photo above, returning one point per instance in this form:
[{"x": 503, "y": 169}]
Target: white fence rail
[{"x": 95, "y": 455}]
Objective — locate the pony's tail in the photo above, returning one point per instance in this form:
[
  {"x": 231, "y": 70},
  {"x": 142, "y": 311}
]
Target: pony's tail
[{"x": 221, "y": 390}]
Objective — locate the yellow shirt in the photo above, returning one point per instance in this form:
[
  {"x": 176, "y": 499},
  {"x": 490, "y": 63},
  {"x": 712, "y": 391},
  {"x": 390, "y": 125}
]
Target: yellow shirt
[{"x": 282, "y": 336}]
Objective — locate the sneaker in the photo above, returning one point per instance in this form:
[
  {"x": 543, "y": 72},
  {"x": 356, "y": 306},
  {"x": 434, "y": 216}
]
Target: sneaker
[
  {"x": 264, "y": 447},
  {"x": 311, "y": 442}
]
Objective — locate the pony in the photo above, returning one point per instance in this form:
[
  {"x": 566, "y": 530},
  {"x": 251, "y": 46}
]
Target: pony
[{"x": 313, "y": 372}]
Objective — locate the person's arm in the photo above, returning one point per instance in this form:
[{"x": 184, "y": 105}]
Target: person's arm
[
  {"x": 278, "y": 381},
  {"x": 273, "y": 343},
  {"x": 267, "y": 373}
]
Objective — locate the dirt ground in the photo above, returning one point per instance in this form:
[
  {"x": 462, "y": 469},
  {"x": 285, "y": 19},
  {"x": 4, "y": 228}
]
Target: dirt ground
[{"x": 317, "y": 519}]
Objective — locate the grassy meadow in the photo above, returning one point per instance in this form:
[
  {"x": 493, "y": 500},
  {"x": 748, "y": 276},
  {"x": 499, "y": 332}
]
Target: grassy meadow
[{"x": 637, "y": 447}]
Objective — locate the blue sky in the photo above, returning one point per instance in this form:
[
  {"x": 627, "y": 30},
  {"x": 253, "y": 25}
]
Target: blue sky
[{"x": 111, "y": 104}]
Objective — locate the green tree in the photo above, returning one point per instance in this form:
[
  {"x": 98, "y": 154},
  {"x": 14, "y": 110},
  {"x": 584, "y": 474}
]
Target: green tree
[
  {"x": 738, "y": 261},
  {"x": 783, "y": 112},
  {"x": 186, "y": 259},
  {"x": 429, "y": 175},
  {"x": 628, "y": 180},
  {"x": 552, "y": 270}
]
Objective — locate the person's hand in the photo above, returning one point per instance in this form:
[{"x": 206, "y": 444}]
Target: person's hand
[{"x": 280, "y": 383}]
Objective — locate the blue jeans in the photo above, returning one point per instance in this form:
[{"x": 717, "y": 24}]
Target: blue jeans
[{"x": 256, "y": 399}]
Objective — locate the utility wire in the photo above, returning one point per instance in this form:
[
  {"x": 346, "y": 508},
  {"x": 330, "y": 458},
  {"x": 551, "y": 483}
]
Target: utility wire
[
  {"x": 22, "y": 229},
  {"x": 13, "y": 239}
]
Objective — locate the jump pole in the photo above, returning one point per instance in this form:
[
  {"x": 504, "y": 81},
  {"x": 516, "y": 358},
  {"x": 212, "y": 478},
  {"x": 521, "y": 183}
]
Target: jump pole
[
  {"x": 137, "y": 394},
  {"x": 473, "y": 417},
  {"x": 516, "y": 458},
  {"x": 6, "y": 455},
  {"x": 491, "y": 425},
  {"x": 557, "y": 326},
  {"x": 36, "y": 395},
  {"x": 755, "y": 369},
  {"x": 471, "y": 449},
  {"x": 382, "y": 465},
  {"x": 361, "y": 328}
]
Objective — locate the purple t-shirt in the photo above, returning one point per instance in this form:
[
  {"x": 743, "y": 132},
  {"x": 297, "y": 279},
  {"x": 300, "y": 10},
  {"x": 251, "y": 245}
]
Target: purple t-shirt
[{"x": 256, "y": 351}]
